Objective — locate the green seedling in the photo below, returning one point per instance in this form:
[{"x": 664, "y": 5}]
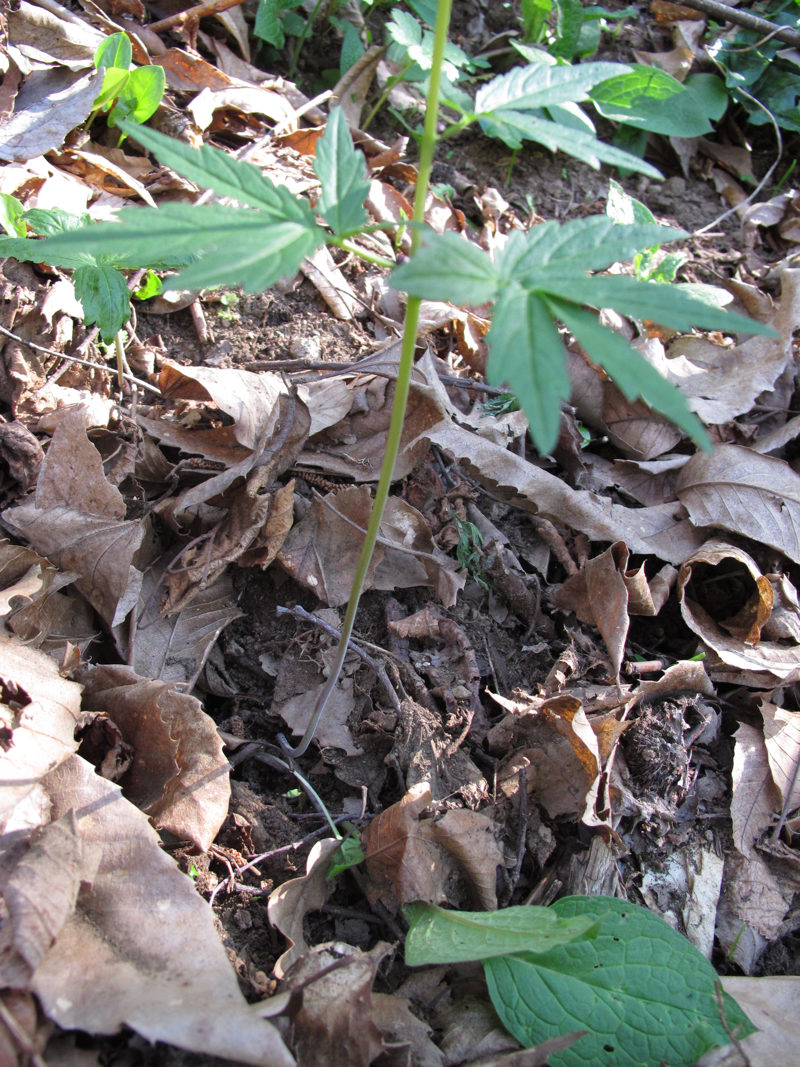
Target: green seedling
[
  {"x": 125, "y": 93},
  {"x": 565, "y": 27},
  {"x": 647, "y": 265},
  {"x": 348, "y": 854},
  {"x": 499, "y": 405},
  {"x": 469, "y": 550},
  {"x": 641, "y": 991}
]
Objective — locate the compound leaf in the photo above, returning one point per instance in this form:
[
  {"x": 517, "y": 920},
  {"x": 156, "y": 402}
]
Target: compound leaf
[
  {"x": 104, "y": 296},
  {"x": 439, "y": 936},
  {"x": 342, "y": 171},
  {"x": 641, "y": 990},
  {"x": 214, "y": 169},
  {"x": 650, "y": 99},
  {"x": 447, "y": 267},
  {"x": 527, "y": 354}
]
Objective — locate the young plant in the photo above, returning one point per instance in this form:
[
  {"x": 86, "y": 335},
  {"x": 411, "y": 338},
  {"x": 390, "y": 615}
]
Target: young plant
[
  {"x": 125, "y": 93},
  {"x": 641, "y": 991},
  {"x": 647, "y": 266}
]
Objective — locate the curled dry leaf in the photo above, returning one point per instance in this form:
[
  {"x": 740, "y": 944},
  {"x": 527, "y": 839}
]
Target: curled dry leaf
[
  {"x": 77, "y": 519},
  {"x": 408, "y": 858},
  {"x": 782, "y": 739},
  {"x": 102, "y": 959},
  {"x": 291, "y": 902},
  {"x": 745, "y": 492},
  {"x": 179, "y": 775},
  {"x": 727, "y": 602}
]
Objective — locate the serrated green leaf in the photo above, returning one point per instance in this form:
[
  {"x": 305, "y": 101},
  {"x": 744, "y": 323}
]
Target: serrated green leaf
[
  {"x": 669, "y": 305},
  {"x": 114, "y": 81},
  {"x": 576, "y": 247},
  {"x": 30, "y": 250},
  {"x": 114, "y": 51},
  {"x": 650, "y": 99},
  {"x": 630, "y": 371},
  {"x": 538, "y": 85},
  {"x": 342, "y": 170},
  {"x": 439, "y": 936},
  {"x": 11, "y": 212},
  {"x": 527, "y": 354},
  {"x": 642, "y": 991},
  {"x": 268, "y": 24},
  {"x": 104, "y": 296},
  {"x": 214, "y": 169},
  {"x": 46, "y": 222},
  {"x": 513, "y": 127},
  {"x": 446, "y": 267}
]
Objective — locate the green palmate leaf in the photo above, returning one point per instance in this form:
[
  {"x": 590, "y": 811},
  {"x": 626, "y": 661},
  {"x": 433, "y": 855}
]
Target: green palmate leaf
[
  {"x": 343, "y": 173},
  {"x": 114, "y": 51},
  {"x": 439, "y": 936},
  {"x": 527, "y": 354},
  {"x": 576, "y": 247},
  {"x": 104, "y": 296},
  {"x": 446, "y": 267},
  {"x": 214, "y": 169},
  {"x": 642, "y": 991},
  {"x": 631, "y": 372},
  {"x": 27, "y": 249},
  {"x": 650, "y": 99}
]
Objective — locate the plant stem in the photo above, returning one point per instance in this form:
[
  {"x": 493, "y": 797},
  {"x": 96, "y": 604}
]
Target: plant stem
[
  {"x": 427, "y": 149},
  {"x": 301, "y": 39}
]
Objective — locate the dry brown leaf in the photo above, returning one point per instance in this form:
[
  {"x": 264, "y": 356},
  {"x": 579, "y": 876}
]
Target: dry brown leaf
[
  {"x": 771, "y": 1005},
  {"x": 331, "y": 284},
  {"x": 179, "y": 774},
  {"x": 331, "y": 1011},
  {"x": 21, "y": 1028},
  {"x": 39, "y": 712},
  {"x": 249, "y": 99},
  {"x": 725, "y": 580},
  {"x": 290, "y": 902},
  {"x": 116, "y": 959},
  {"x": 407, "y": 858},
  {"x": 782, "y": 742},
  {"x": 745, "y": 492},
  {"x": 77, "y": 519}
]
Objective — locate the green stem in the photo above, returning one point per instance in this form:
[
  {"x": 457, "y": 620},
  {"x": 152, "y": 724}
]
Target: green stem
[
  {"x": 301, "y": 39},
  {"x": 427, "y": 149},
  {"x": 390, "y": 84}
]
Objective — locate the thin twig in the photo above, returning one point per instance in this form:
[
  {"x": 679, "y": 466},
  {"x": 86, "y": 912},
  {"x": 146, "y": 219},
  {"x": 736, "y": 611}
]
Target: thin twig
[
  {"x": 75, "y": 359},
  {"x": 207, "y": 7},
  {"x": 744, "y": 18}
]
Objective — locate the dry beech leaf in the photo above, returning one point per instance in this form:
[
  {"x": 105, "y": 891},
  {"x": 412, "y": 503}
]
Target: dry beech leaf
[
  {"x": 771, "y": 1005},
  {"x": 756, "y": 798},
  {"x": 290, "y": 903},
  {"x": 331, "y": 1012},
  {"x": 408, "y": 858},
  {"x": 103, "y": 959},
  {"x": 39, "y": 711},
  {"x": 179, "y": 775},
  {"x": 77, "y": 519},
  {"x": 745, "y": 492},
  {"x": 725, "y": 580},
  {"x": 782, "y": 741}
]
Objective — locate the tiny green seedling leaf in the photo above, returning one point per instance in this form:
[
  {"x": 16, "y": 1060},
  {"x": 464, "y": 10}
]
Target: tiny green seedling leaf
[
  {"x": 439, "y": 936},
  {"x": 114, "y": 51},
  {"x": 140, "y": 96},
  {"x": 11, "y": 212},
  {"x": 342, "y": 171},
  {"x": 104, "y": 296},
  {"x": 641, "y": 990},
  {"x": 348, "y": 854}
]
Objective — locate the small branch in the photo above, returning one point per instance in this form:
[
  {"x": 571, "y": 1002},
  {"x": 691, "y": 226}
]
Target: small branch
[
  {"x": 192, "y": 14},
  {"x": 744, "y": 18}
]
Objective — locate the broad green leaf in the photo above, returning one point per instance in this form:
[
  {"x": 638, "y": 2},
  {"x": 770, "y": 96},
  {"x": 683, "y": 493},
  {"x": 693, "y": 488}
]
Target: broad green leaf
[
  {"x": 540, "y": 85},
  {"x": 568, "y": 28},
  {"x": 114, "y": 81},
  {"x": 151, "y": 286},
  {"x": 513, "y": 127},
  {"x": 140, "y": 96},
  {"x": 348, "y": 854},
  {"x": 114, "y": 51},
  {"x": 630, "y": 371},
  {"x": 436, "y": 935},
  {"x": 710, "y": 91},
  {"x": 46, "y": 222},
  {"x": 342, "y": 171},
  {"x": 527, "y": 354},
  {"x": 669, "y": 305},
  {"x": 268, "y": 23},
  {"x": 575, "y": 247},
  {"x": 11, "y": 212},
  {"x": 650, "y": 99},
  {"x": 447, "y": 267},
  {"x": 534, "y": 18},
  {"x": 214, "y": 169},
  {"x": 642, "y": 991},
  {"x": 104, "y": 296}
]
